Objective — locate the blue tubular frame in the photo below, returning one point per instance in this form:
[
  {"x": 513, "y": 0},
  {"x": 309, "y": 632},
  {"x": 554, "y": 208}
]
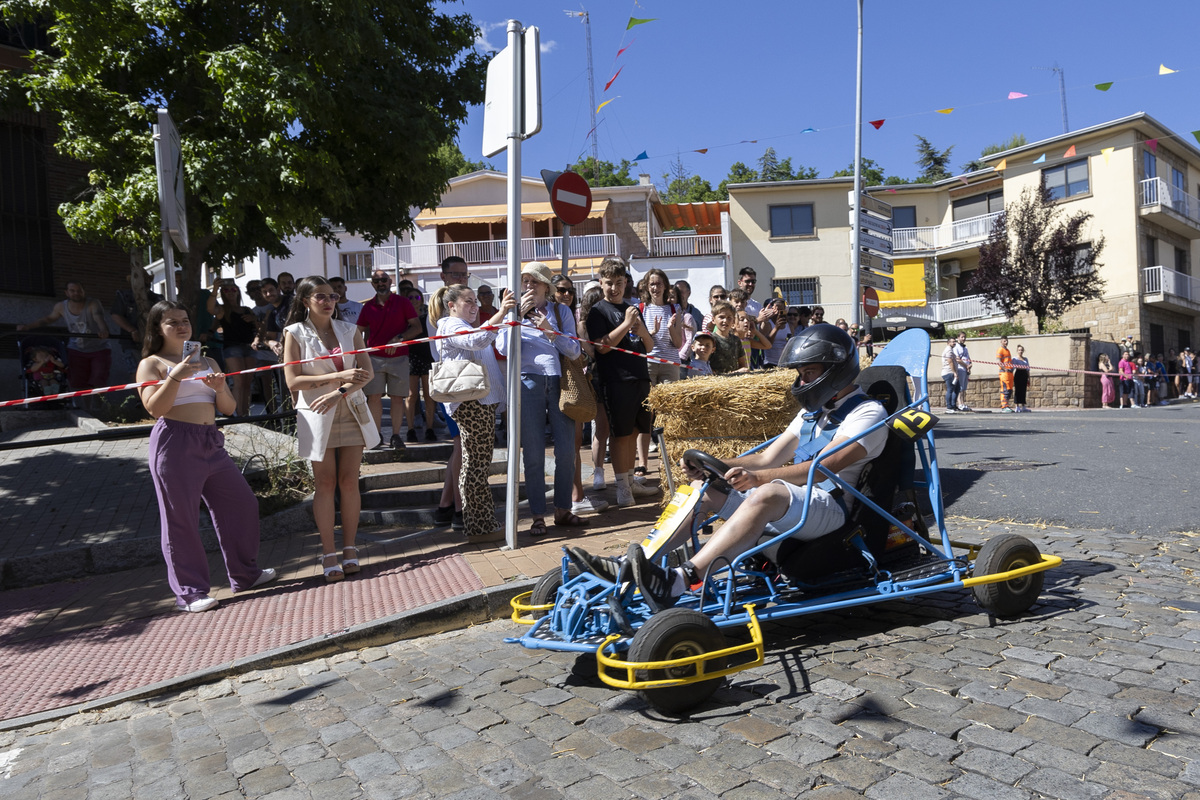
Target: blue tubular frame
[{"x": 583, "y": 615}]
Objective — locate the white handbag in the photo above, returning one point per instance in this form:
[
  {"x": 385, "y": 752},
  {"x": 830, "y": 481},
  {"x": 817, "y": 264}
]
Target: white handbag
[{"x": 458, "y": 381}]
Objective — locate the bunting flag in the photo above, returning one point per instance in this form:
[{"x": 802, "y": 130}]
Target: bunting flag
[
  {"x": 1197, "y": 135},
  {"x": 1040, "y": 159},
  {"x": 945, "y": 110},
  {"x": 641, "y": 156},
  {"x": 1070, "y": 152},
  {"x": 809, "y": 130},
  {"x": 635, "y": 21},
  {"x": 963, "y": 178},
  {"x": 1016, "y": 95},
  {"x": 623, "y": 49},
  {"x": 1104, "y": 87},
  {"x": 748, "y": 141},
  {"x": 703, "y": 151},
  {"x": 1003, "y": 165},
  {"x": 1106, "y": 152},
  {"x": 1163, "y": 69},
  {"x": 606, "y": 102},
  {"x": 893, "y": 191},
  {"x": 613, "y": 78},
  {"x": 877, "y": 123},
  {"x": 1152, "y": 144}
]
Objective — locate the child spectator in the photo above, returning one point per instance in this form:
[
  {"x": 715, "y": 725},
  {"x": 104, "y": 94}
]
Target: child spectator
[
  {"x": 702, "y": 350},
  {"x": 46, "y": 371},
  {"x": 753, "y": 340},
  {"x": 728, "y": 355},
  {"x": 1125, "y": 369}
]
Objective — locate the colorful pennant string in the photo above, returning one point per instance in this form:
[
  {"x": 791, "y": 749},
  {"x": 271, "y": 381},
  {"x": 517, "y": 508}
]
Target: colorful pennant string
[
  {"x": 1104, "y": 87},
  {"x": 878, "y": 123},
  {"x": 945, "y": 111},
  {"x": 641, "y": 156},
  {"x": 1003, "y": 165},
  {"x": 606, "y": 102},
  {"x": 1197, "y": 135},
  {"x": 635, "y": 21},
  {"x": 1163, "y": 69},
  {"x": 1106, "y": 152},
  {"x": 613, "y": 78},
  {"x": 809, "y": 130},
  {"x": 1070, "y": 152},
  {"x": 701, "y": 151},
  {"x": 1152, "y": 144},
  {"x": 1016, "y": 95},
  {"x": 1040, "y": 159}
]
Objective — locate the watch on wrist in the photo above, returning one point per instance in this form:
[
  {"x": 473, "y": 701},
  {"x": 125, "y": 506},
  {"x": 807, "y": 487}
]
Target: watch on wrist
[{"x": 341, "y": 390}]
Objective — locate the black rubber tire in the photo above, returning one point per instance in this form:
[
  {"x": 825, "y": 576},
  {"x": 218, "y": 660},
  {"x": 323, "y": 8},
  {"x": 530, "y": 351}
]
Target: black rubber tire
[
  {"x": 1000, "y": 554},
  {"x": 546, "y": 588},
  {"x": 677, "y": 633}
]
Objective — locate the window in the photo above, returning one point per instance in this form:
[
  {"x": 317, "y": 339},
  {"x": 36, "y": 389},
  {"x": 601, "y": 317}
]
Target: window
[
  {"x": 1067, "y": 180},
  {"x": 1179, "y": 196},
  {"x": 1149, "y": 164},
  {"x": 1185, "y": 339},
  {"x": 1157, "y": 339},
  {"x": 1181, "y": 260},
  {"x": 904, "y": 217},
  {"x": 978, "y": 205},
  {"x": 1150, "y": 249},
  {"x": 358, "y": 266},
  {"x": 1083, "y": 252},
  {"x": 798, "y": 291},
  {"x": 792, "y": 220},
  {"x": 25, "y": 215}
]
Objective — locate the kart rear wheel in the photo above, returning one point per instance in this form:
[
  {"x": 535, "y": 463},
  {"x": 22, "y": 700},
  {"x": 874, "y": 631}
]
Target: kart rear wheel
[
  {"x": 546, "y": 589},
  {"x": 677, "y": 633},
  {"x": 1000, "y": 554}
]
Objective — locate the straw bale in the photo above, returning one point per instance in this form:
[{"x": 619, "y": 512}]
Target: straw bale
[{"x": 723, "y": 415}]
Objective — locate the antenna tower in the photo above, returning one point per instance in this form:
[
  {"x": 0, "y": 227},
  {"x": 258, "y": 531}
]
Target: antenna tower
[
  {"x": 587, "y": 25},
  {"x": 1062, "y": 92}
]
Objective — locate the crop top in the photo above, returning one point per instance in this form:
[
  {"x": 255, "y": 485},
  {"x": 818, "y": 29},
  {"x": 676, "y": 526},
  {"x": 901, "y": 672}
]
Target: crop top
[{"x": 192, "y": 391}]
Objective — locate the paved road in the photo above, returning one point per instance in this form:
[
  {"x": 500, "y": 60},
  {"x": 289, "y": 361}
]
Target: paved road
[
  {"x": 1131, "y": 470},
  {"x": 1091, "y": 696}
]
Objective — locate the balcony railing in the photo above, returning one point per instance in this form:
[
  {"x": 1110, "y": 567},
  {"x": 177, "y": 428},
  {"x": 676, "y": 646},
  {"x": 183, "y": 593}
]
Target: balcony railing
[
  {"x": 934, "y": 237},
  {"x": 548, "y": 248},
  {"x": 1161, "y": 280},
  {"x": 1157, "y": 192},
  {"x": 958, "y": 309},
  {"x": 704, "y": 244}
]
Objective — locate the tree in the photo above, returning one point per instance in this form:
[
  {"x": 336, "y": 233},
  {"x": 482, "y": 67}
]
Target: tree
[
  {"x": 680, "y": 186},
  {"x": 604, "y": 173},
  {"x": 738, "y": 173},
  {"x": 770, "y": 168},
  {"x": 934, "y": 163},
  {"x": 1014, "y": 141},
  {"x": 1035, "y": 259},
  {"x": 872, "y": 173},
  {"x": 294, "y": 116},
  {"x": 451, "y": 156}
]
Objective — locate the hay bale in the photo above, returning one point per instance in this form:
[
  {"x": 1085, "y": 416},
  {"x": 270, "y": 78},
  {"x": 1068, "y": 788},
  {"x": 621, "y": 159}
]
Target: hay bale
[{"x": 723, "y": 415}]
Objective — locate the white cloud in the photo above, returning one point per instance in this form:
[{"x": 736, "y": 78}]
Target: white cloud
[
  {"x": 549, "y": 46},
  {"x": 493, "y": 37}
]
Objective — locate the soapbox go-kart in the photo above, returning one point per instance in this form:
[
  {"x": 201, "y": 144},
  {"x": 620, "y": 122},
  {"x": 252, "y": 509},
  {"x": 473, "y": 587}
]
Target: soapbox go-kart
[{"x": 678, "y": 657}]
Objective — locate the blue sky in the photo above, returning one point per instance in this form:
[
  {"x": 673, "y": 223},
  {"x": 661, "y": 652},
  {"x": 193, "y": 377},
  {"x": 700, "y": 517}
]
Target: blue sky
[{"x": 710, "y": 75}]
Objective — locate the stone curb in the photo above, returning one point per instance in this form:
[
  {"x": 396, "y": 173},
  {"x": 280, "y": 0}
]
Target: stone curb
[{"x": 446, "y": 615}]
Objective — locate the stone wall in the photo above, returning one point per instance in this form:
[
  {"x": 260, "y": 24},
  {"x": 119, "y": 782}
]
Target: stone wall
[
  {"x": 628, "y": 222},
  {"x": 1046, "y": 389}
]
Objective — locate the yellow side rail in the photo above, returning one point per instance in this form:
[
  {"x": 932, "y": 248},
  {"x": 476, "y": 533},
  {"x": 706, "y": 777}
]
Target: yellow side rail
[
  {"x": 630, "y": 668},
  {"x": 1046, "y": 563},
  {"x": 523, "y": 612}
]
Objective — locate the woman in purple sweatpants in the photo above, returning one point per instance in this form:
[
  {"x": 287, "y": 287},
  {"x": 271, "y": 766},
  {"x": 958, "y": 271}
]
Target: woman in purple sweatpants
[{"x": 188, "y": 463}]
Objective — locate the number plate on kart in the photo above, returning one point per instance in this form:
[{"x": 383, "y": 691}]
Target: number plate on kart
[
  {"x": 678, "y": 513},
  {"x": 912, "y": 424}
]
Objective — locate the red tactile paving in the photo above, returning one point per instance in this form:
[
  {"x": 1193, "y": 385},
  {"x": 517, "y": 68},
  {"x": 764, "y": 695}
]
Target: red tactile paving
[{"x": 47, "y": 672}]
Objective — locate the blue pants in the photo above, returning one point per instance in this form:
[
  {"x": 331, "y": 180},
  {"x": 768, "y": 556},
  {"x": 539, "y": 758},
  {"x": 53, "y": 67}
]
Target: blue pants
[
  {"x": 951, "y": 390},
  {"x": 188, "y": 463},
  {"x": 539, "y": 394}
]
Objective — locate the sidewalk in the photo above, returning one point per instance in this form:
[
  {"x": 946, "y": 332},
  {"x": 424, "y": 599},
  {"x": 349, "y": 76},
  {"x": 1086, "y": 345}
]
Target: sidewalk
[{"x": 106, "y": 638}]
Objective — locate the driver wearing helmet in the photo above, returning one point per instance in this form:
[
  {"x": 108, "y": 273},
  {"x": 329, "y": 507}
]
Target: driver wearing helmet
[{"x": 768, "y": 488}]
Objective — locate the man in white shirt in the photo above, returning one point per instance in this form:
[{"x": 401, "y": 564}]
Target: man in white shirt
[
  {"x": 747, "y": 282},
  {"x": 347, "y": 308},
  {"x": 964, "y": 370}
]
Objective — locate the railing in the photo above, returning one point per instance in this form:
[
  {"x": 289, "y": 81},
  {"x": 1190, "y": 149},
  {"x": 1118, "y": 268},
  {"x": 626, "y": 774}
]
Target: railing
[
  {"x": 705, "y": 244},
  {"x": 973, "y": 306},
  {"x": 1161, "y": 280},
  {"x": 548, "y": 248},
  {"x": 933, "y": 237},
  {"x": 1156, "y": 192}
]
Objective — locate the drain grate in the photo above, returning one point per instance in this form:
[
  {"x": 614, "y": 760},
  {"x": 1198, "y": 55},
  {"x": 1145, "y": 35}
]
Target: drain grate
[{"x": 1002, "y": 466}]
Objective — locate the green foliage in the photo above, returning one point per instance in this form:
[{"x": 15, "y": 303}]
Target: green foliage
[
  {"x": 455, "y": 163},
  {"x": 680, "y": 186},
  {"x": 294, "y": 116},
  {"x": 770, "y": 168},
  {"x": 934, "y": 163},
  {"x": 872, "y": 173},
  {"x": 1016, "y": 140},
  {"x": 604, "y": 173}
]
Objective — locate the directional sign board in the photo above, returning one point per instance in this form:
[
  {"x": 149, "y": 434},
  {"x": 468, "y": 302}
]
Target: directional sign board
[
  {"x": 570, "y": 196},
  {"x": 168, "y": 157},
  {"x": 499, "y": 95},
  {"x": 883, "y": 282},
  {"x": 868, "y": 238},
  {"x": 868, "y": 260}
]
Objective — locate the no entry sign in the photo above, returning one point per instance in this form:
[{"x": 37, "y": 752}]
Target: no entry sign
[
  {"x": 570, "y": 196},
  {"x": 870, "y": 302}
]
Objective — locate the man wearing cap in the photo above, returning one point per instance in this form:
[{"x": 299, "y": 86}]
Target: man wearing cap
[{"x": 384, "y": 319}]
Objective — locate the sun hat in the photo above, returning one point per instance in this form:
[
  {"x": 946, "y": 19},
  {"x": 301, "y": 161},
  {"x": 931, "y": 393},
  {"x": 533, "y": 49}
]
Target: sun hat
[{"x": 539, "y": 271}]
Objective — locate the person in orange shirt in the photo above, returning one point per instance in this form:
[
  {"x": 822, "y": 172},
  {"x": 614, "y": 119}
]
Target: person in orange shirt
[{"x": 1006, "y": 377}]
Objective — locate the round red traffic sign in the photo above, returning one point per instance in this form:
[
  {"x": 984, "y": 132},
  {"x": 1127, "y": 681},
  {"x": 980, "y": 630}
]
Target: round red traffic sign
[
  {"x": 571, "y": 198},
  {"x": 870, "y": 301}
]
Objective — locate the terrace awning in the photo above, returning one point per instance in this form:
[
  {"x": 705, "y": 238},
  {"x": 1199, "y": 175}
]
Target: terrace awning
[{"x": 536, "y": 212}]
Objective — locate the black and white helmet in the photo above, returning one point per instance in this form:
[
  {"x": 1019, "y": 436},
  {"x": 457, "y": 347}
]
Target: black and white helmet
[{"x": 821, "y": 344}]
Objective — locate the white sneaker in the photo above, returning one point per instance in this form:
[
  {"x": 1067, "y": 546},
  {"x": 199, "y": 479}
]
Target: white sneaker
[
  {"x": 589, "y": 505},
  {"x": 598, "y": 481},
  {"x": 624, "y": 496},
  {"x": 653, "y": 447},
  {"x": 196, "y": 606},
  {"x": 642, "y": 490}
]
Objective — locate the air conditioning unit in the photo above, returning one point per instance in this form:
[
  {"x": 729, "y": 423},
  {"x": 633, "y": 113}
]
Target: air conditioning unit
[{"x": 951, "y": 268}]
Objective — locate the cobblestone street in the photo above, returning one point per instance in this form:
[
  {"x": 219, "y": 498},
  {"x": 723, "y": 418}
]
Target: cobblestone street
[{"x": 1092, "y": 695}]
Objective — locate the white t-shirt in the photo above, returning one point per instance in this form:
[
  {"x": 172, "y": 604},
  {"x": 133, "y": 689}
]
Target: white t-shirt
[
  {"x": 662, "y": 340},
  {"x": 753, "y": 307},
  {"x": 861, "y": 418},
  {"x": 948, "y": 365},
  {"x": 349, "y": 311},
  {"x": 963, "y": 356}
]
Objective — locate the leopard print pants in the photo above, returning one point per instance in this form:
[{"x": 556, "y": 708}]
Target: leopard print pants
[{"x": 477, "y": 426}]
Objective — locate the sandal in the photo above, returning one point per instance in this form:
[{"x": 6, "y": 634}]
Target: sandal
[
  {"x": 538, "y": 528},
  {"x": 569, "y": 520},
  {"x": 640, "y": 471},
  {"x": 350, "y": 565},
  {"x": 334, "y": 573}
]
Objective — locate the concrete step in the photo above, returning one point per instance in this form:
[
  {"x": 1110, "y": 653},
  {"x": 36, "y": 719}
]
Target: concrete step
[{"x": 416, "y": 473}]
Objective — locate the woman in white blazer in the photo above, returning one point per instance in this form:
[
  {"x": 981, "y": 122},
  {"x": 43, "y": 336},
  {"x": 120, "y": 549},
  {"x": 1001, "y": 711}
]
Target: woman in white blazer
[{"x": 333, "y": 422}]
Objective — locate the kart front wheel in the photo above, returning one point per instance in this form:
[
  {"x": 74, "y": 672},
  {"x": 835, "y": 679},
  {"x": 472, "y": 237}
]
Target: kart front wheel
[
  {"x": 1013, "y": 597},
  {"x": 672, "y": 634},
  {"x": 545, "y": 591}
]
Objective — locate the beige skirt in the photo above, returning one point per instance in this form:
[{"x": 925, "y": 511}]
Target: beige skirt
[{"x": 346, "y": 431}]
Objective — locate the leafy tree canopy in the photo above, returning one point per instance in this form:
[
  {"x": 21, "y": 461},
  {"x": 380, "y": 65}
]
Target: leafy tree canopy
[
  {"x": 452, "y": 158},
  {"x": 934, "y": 163},
  {"x": 294, "y": 116},
  {"x": 770, "y": 168},
  {"x": 1016, "y": 140},
  {"x": 680, "y": 186},
  {"x": 1036, "y": 259},
  {"x": 872, "y": 173},
  {"x": 604, "y": 173}
]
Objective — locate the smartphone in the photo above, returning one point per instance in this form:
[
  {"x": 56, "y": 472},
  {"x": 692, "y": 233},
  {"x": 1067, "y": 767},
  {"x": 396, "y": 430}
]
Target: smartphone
[{"x": 191, "y": 352}]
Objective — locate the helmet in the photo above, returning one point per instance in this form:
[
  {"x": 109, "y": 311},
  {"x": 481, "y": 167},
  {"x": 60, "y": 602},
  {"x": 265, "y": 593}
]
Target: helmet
[{"x": 821, "y": 344}]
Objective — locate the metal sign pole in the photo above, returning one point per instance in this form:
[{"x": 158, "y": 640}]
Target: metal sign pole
[
  {"x": 856, "y": 251},
  {"x": 512, "y": 489},
  {"x": 565, "y": 244}
]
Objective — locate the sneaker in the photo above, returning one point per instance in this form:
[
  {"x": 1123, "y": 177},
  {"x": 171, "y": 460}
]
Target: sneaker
[
  {"x": 196, "y": 606},
  {"x": 589, "y": 505},
  {"x": 624, "y": 496},
  {"x": 642, "y": 490},
  {"x": 1007, "y": 410},
  {"x": 598, "y": 484},
  {"x": 652, "y": 581},
  {"x": 430, "y": 436},
  {"x": 951, "y": 410},
  {"x": 964, "y": 408},
  {"x": 456, "y": 521},
  {"x": 412, "y": 436},
  {"x": 605, "y": 567},
  {"x": 444, "y": 515},
  {"x": 653, "y": 447},
  {"x": 266, "y": 577},
  {"x": 397, "y": 443}
]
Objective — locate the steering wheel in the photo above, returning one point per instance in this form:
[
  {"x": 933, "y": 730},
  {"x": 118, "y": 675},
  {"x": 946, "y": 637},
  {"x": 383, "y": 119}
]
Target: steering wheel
[{"x": 713, "y": 466}]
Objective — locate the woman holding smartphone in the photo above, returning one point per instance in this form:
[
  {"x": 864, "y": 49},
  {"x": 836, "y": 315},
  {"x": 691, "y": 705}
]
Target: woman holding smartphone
[
  {"x": 333, "y": 423},
  {"x": 188, "y": 462}
]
